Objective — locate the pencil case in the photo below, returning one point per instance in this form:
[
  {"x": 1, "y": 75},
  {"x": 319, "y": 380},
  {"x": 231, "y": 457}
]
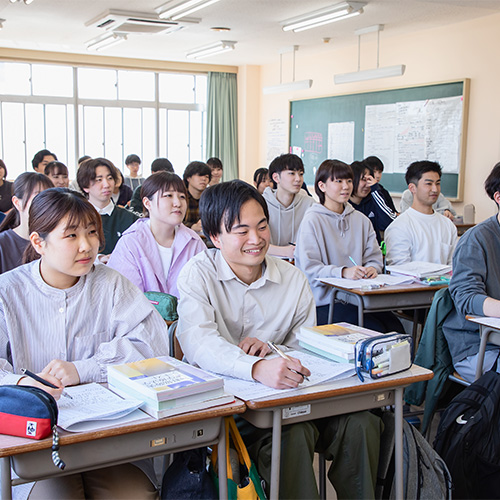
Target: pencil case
[
  {"x": 30, "y": 412},
  {"x": 383, "y": 355}
]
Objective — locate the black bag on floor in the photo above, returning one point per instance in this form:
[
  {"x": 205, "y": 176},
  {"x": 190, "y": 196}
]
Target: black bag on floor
[{"x": 468, "y": 439}]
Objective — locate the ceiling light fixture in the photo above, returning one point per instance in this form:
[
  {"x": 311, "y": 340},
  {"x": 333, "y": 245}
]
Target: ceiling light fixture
[
  {"x": 370, "y": 74},
  {"x": 176, "y": 10},
  {"x": 212, "y": 49},
  {"x": 105, "y": 42},
  {"x": 337, "y": 12},
  {"x": 289, "y": 86}
]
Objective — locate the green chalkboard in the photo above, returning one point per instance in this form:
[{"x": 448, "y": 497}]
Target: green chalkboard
[{"x": 310, "y": 118}]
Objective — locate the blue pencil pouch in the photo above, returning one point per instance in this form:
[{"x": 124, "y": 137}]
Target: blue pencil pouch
[{"x": 383, "y": 355}]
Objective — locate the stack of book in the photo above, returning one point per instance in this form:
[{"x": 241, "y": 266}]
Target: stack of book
[
  {"x": 420, "y": 270},
  {"x": 167, "y": 386},
  {"x": 334, "y": 342}
]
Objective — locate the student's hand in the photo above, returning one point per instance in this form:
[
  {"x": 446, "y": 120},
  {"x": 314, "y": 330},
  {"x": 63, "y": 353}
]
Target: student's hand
[
  {"x": 103, "y": 259},
  {"x": 277, "y": 372},
  {"x": 197, "y": 227},
  {"x": 370, "y": 180},
  {"x": 448, "y": 214},
  {"x": 356, "y": 272},
  {"x": 371, "y": 272},
  {"x": 56, "y": 393},
  {"x": 254, "y": 347},
  {"x": 64, "y": 371}
]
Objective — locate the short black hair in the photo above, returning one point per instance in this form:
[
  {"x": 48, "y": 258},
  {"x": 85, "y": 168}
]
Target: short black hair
[
  {"x": 38, "y": 158},
  {"x": 285, "y": 162},
  {"x": 132, "y": 159},
  {"x": 196, "y": 168},
  {"x": 358, "y": 170},
  {"x": 260, "y": 175},
  {"x": 83, "y": 158},
  {"x": 221, "y": 204},
  {"x": 331, "y": 169},
  {"x": 161, "y": 165},
  {"x": 492, "y": 182},
  {"x": 418, "y": 168},
  {"x": 214, "y": 163},
  {"x": 86, "y": 172},
  {"x": 2, "y": 165},
  {"x": 374, "y": 163},
  {"x": 56, "y": 168}
]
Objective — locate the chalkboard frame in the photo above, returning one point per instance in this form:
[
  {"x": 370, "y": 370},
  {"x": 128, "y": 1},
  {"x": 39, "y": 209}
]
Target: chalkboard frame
[{"x": 351, "y": 107}]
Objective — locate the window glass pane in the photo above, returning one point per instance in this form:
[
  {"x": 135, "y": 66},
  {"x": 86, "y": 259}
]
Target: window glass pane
[
  {"x": 196, "y": 137},
  {"x": 136, "y": 85},
  {"x": 81, "y": 135},
  {"x": 70, "y": 135},
  {"x": 15, "y": 79},
  {"x": 113, "y": 136},
  {"x": 176, "y": 88},
  {"x": 96, "y": 83},
  {"x": 35, "y": 130},
  {"x": 163, "y": 134},
  {"x": 178, "y": 139},
  {"x": 201, "y": 89},
  {"x": 148, "y": 140},
  {"x": 93, "y": 132},
  {"x": 52, "y": 80},
  {"x": 132, "y": 132},
  {"x": 55, "y": 127},
  {"x": 13, "y": 138}
]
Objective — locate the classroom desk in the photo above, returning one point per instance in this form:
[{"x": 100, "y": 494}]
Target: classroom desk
[
  {"x": 335, "y": 398},
  {"x": 85, "y": 451},
  {"x": 387, "y": 298},
  {"x": 489, "y": 331}
]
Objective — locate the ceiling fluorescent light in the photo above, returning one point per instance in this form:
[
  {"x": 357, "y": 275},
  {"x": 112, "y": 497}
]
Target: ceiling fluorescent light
[
  {"x": 106, "y": 42},
  {"x": 212, "y": 49},
  {"x": 183, "y": 9},
  {"x": 370, "y": 74},
  {"x": 337, "y": 12},
  {"x": 287, "y": 87}
]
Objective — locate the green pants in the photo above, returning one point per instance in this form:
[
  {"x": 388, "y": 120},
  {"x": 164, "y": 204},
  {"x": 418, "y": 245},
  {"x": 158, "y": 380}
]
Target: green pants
[{"x": 351, "y": 442}]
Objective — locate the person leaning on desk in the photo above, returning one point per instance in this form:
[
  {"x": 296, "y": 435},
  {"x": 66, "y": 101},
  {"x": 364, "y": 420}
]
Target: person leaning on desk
[
  {"x": 243, "y": 298},
  {"x": 66, "y": 319}
]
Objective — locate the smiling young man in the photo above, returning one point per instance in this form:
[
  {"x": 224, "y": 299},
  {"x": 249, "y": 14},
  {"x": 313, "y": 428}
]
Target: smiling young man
[
  {"x": 244, "y": 298},
  {"x": 420, "y": 233},
  {"x": 97, "y": 178},
  {"x": 42, "y": 159},
  {"x": 197, "y": 176},
  {"x": 287, "y": 203}
]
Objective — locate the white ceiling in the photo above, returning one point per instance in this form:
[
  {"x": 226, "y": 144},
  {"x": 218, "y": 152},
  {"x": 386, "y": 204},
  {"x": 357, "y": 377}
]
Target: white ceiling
[{"x": 59, "y": 25}]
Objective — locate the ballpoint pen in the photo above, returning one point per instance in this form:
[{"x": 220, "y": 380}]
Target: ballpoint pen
[
  {"x": 34, "y": 376},
  {"x": 277, "y": 350}
]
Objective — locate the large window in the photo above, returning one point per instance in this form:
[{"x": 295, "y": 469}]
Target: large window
[{"x": 100, "y": 112}]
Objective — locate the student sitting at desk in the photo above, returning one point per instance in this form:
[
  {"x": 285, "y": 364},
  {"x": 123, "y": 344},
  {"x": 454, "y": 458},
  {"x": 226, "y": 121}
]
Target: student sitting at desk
[
  {"x": 376, "y": 167},
  {"x": 336, "y": 241},
  {"x": 235, "y": 298},
  {"x": 153, "y": 250},
  {"x": 66, "y": 319},
  {"x": 475, "y": 288},
  {"x": 287, "y": 203},
  {"x": 420, "y": 233},
  {"x": 371, "y": 203},
  {"x": 441, "y": 205}
]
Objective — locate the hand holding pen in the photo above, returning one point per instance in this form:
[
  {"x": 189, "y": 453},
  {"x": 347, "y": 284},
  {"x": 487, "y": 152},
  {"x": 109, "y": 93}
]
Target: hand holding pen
[
  {"x": 44, "y": 382},
  {"x": 278, "y": 351}
]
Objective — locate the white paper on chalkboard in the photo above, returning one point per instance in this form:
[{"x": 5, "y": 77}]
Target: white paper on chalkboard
[
  {"x": 341, "y": 141},
  {"x": 277, "y": 143}
]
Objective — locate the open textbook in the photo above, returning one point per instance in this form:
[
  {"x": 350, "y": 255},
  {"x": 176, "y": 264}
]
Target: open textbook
[
  {"x": 96, "y": 404},
  {"x": 370, "y": 284},
  {"x": 322, "y": 370}
]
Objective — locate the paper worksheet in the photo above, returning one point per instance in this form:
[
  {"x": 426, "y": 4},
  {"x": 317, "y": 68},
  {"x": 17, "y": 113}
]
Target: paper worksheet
[
  {"x": 92, "y": 402},
  {"x": 322, "y": 370},
  {"x": 380, "y": 280}
]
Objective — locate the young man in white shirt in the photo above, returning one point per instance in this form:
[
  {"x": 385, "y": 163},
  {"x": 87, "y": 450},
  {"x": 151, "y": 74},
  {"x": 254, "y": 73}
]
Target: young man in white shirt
[
  {"x": 420, "y": 233},
  {"x": 97, "y": 178},
  {"x": 287, "y": 203},
  {"x": 244, "y": 298}
]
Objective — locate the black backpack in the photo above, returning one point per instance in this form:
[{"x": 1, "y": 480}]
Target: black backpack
[{"x": 468, "y": 439}]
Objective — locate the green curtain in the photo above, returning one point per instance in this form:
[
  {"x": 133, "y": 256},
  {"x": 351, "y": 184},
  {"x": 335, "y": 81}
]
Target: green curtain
[{"x": 222, "y": 122}]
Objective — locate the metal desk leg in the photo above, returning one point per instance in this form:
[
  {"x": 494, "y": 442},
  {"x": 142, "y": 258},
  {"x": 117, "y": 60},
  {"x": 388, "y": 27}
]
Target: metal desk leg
[
  {"x": 332, "y": 306},
  {"x": 222, "y": 468},
  {"x": 484, "y": 332},
  {"x": 276, "y": 455},
  {"x": 6, "y": 478},
  {"x": 361, "y": 310},
  {"x": 398, "y": 443}
]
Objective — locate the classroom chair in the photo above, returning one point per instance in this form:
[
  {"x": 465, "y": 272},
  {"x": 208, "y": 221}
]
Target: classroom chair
[{"x": 173, "y": 344}]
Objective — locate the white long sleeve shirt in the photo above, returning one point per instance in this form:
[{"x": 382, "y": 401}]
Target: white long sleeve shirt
[
  {"x": 102, "y": 319},
  {"x": 217, "y": 311}
]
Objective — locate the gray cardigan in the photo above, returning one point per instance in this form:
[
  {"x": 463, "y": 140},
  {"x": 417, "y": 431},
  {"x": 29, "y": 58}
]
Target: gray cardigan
[{"x": 476, "y": 276}]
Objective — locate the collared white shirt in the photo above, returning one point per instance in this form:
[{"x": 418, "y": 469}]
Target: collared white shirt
[
  {"x": 102, "y": 319},
  {"x": 107, "y": 210},
  {"x": 217, "y": 310}
]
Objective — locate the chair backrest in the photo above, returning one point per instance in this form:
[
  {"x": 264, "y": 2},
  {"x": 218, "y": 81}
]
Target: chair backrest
[{"x": 173, "y": 343}]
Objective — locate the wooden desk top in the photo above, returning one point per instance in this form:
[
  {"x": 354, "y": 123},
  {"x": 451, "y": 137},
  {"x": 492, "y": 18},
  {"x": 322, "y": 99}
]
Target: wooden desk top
[
  {"x": 12, "y": 445},
  {"x": 390, "y": 289},
  {"x": 344, "y": 387},
  {"x": 490, "y": 321}
]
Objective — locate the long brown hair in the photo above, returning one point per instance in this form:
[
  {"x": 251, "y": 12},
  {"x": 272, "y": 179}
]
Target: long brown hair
[
  {"x": 51, "y": 206},
  {"x": 23, "y": 188}
]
